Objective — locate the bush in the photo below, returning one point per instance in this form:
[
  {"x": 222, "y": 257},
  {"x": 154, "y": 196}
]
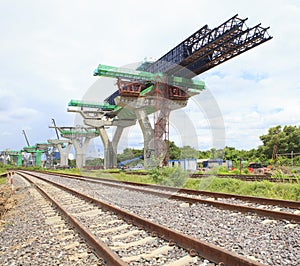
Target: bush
[
  {"x": 265, "y": 188},
  {"x": 236, "y": 171},
  {"x": 222, "y": 170},
  {"x": 175, "y": 176},
  {"x": 246, "y": 171}
]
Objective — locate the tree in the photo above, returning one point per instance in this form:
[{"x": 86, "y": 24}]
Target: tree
[
  {"x": 188, "y": 152},
  {"x": 129, "y": 153},
  {"x": 95, "y": 162},
  {"x": 204, "y": 155},
  {"x": 174, "y": 151},
  {"x": 286, "y": 140}
]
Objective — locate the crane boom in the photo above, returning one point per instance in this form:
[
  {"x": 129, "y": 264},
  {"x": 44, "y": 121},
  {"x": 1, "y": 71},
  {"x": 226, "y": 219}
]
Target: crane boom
[
  {"x": 54, "y": 124},
  {"x": 24, "y": 133}
]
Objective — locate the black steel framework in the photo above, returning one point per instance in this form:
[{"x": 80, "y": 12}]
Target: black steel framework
[{"x": 207, "y": 48}]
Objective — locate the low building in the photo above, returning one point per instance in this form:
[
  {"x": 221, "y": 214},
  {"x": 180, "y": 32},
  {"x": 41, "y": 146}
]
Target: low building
[
  {"x": 211, "y": 163},
  {"x": 186, "y": 164}
]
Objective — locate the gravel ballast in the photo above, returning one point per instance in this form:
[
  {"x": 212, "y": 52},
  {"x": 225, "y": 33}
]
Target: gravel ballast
[
  {"x": 33, "y": 234},
  {"x": 273, "y": 242}
]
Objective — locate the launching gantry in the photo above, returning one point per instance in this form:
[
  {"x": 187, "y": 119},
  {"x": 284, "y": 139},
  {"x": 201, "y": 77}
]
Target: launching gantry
[{"x": 167, "y": 84}]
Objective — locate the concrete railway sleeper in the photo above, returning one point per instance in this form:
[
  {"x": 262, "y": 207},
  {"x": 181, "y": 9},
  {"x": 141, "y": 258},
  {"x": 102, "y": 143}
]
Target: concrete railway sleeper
[{"x": 112, "y": 232}]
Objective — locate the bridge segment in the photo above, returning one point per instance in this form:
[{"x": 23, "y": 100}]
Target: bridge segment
[
  {"x": 80, "y": 137},
  {"x": 101, "y": 117},
  {"x": 63, "y": 146}
]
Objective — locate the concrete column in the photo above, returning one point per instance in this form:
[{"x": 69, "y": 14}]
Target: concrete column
[
  {"x": 64, "y": 154},
  {"x": 80, "y": 150},
  {"x": 110, "y": 147},
  {"x": 148, "y": 134}
]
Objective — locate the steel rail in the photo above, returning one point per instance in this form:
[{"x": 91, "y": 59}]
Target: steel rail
[
  {"x": 97, "y": 244},
  {"x": 195, "y": 246},
  {"x": 258, "y": 200},
  {"x": 256, "y": 177},
  {"x": 234, "y": 207}
]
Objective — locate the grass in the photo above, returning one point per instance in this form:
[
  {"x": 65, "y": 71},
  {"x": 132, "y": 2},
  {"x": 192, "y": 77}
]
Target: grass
[
  {"x": 2, "y": 180},
  {"x": 266, "y": 189},
  {"x": 146, "y": 179}
]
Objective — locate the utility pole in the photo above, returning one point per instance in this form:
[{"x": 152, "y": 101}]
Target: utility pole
[{"x": 275, "y": 147}]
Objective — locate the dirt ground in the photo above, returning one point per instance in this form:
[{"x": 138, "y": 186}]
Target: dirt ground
[{"x": 7, "y": 201}]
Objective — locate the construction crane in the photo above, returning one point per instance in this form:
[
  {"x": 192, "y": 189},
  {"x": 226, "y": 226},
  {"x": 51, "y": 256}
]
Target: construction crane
[
  {"x": 54, "y": 124},
  {"x": 170, "y": 77},
  {"x": 26, "y": 139},
  {"x": 33, "y": 150}
]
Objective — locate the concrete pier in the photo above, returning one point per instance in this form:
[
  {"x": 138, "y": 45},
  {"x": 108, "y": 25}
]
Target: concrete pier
[{"x": 63, "y": 146}]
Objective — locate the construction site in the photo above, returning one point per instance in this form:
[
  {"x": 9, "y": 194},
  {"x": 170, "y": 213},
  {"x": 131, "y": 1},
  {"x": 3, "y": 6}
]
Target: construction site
[{"x": 152, "y": 89}]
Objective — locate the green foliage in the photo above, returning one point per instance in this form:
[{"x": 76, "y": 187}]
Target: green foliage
[
  {"x": 174, "y": 176},
  {"x": 2, "y": 180},
  {"x": 235, "y": 156},
  {"x": 174, "y": 151},
  {"x": 204, "y": 154},
  {"x": 157, "y": 174},
  {"x": 235, "y": 171},
  {"x": 72, "y": 163},
  {"x": 223, "y": 170},
  {"x": 286, "y": 138},
  {"x": 74, "y": 171},
  {"x": 245, "y": 171},
  {"x": 145, "y": 179},
  {"x": 188, "y": 152},
  {"x": 185, "y": 152},
  {"x": 5, "y": 167},
  {"x": 278, "y": 174},
  {"x": 95, "y": 162},
  {"x": 218, "y": 170},
  {"x": 287, "y": 191},
  {"x": 129, "y": 153}
]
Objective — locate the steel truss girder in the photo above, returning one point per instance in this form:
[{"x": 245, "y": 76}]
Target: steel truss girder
[{"x": 208, "y": 48}]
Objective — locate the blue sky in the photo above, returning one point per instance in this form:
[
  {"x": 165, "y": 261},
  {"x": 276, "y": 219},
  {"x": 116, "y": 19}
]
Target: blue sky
[{"x": 49, "y": 49}]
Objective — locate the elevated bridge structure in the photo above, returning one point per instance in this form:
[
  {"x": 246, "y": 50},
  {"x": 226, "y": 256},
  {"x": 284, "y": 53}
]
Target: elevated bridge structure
[
  {"x": 48, "y": 150},
  {"x": 100, "y": 117},
  {"x": 11, "y": 157},
  {"x": 63, "y": 146},
  {"x": 35, "y": 155},
  {"x": 167, "y": 84},
  {"x": 80, "y": 137}
]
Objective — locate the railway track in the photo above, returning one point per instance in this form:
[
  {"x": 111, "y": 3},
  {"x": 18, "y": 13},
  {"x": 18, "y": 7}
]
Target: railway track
[
  {"x": 273, "y": 208},
  {"x": 253, "y": 177},
  {"x": 123, "y": 238}
]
